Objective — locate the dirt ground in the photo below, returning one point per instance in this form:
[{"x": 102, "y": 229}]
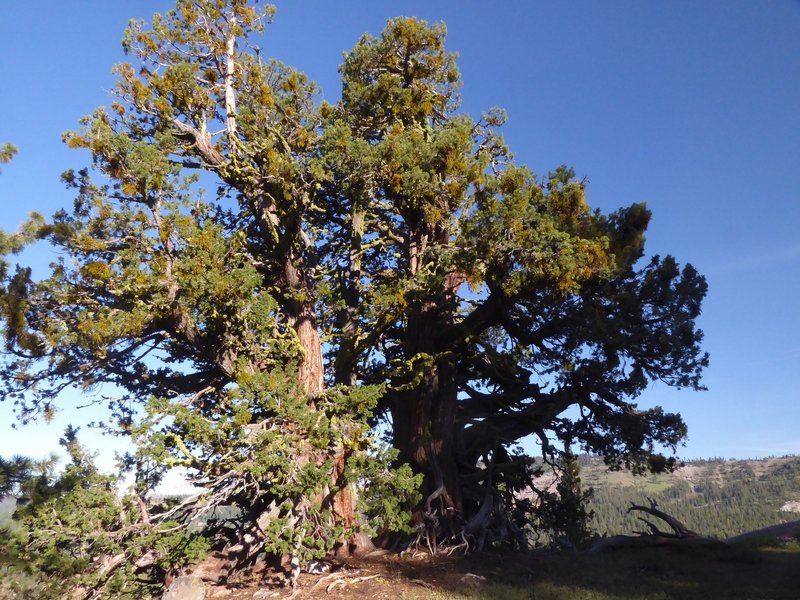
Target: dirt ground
[
  {"x": 378, "y": 576},
  {"x": 748, "y": 570}
]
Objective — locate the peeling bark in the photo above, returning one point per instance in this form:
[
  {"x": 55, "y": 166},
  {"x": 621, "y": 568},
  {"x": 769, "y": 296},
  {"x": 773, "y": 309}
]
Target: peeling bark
[{"x": 311, "y": 371}]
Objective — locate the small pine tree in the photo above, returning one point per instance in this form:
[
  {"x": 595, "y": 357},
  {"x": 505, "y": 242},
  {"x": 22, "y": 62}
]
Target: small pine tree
[
  {"x": 74, "y": 531},
  {"x": 563, "y": 514}
]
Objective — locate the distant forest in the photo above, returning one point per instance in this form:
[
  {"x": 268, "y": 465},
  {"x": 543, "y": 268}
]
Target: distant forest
[{"x": 716, "y": 498}]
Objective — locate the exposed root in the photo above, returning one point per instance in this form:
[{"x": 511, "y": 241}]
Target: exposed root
[
  {"x": 345, "y": 582},
  {"x": 329, "y": 578},
  {"x": 340, "y": 580}
]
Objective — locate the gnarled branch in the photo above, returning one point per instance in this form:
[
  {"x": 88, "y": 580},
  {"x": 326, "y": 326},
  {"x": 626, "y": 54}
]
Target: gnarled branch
[{"x": 680, "y": 531}]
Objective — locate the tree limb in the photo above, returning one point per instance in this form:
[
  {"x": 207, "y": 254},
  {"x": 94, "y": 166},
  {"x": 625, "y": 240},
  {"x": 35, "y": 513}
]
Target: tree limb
[{"x": 680, "y": 530}]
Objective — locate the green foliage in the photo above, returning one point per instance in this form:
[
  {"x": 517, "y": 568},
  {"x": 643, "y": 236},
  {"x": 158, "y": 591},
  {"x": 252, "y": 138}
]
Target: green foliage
[
  {"x": 563, "y": 514},
  {"x": 201, "y": 312},
  {"x": 461, "y": 298},
  {"x": 13, "y": 473},
  {"x": 7, "y": 152},
  {"x": 722, "y": 499},
  {"x": 385, "y": 494},
  {"x": 77, "y": 530},
  {"x": 417, "y": 201},
  {"x": 266, "y": 454}
]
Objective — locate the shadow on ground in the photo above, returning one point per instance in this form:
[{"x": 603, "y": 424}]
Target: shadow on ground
[{"x": 752, "y": 570}]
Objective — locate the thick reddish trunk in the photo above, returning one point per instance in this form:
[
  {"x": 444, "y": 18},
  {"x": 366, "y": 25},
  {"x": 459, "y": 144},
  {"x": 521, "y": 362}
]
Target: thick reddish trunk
[
  {"x": 303, "y": 318},
  {"x": 311, "y": 374}
]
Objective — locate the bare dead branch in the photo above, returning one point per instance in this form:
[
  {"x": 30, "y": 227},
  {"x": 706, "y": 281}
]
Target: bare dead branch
[{"x": 680, "y": 531}]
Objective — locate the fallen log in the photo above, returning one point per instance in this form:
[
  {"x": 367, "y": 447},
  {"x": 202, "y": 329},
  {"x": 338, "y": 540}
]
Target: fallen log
[
  {"x": 653, "y": 537},
  {"x": 679, "y": 530}
]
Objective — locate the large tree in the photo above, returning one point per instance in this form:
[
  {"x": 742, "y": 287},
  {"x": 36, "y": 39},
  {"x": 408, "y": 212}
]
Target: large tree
[
  {"x": 196, "y": 316},
  {"x": 465, "y": 303},
  {"x": 493, "y": 304}
]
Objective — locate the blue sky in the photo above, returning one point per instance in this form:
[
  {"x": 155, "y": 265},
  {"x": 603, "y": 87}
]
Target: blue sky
[{"x": 692, "y": 107}]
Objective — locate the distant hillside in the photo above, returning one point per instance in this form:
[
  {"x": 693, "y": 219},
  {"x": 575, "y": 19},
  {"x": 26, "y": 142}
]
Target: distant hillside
[
  {"x": 7, "y": 506},
  {"x": 718, "y": 498}
]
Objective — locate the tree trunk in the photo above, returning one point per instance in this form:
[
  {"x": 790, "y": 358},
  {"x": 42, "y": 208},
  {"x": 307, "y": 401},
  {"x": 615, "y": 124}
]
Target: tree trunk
[
  {"x": 345, "y": 363},
  {"x": 424, "y": 426},
  {"x": 311, "y": 374}
]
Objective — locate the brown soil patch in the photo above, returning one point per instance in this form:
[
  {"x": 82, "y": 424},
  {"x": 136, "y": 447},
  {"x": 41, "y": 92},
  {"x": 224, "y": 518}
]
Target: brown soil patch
[{"x": 383, "y": 576}]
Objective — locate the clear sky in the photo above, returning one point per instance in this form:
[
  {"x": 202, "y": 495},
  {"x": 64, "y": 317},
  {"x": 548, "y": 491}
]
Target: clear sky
[{"x": 692, "y": 107}]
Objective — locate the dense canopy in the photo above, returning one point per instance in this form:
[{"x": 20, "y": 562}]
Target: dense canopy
[{"x": 379, "y": 264}]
